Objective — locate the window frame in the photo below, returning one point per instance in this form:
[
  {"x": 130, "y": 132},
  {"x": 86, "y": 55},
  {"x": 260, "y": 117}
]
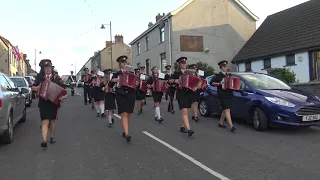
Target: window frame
[
  {"x": 163, "y": 56},
  {"x": 147, "y": 43},
  {"x": 250, "y": 69},
  {"x": 288, "y": 63},
  {"x": 161, "y": 34},
  {"x": 267, "y": 65},
  {"x": 138, "y": 48}
]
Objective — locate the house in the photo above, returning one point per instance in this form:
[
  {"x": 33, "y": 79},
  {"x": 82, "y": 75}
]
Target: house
[
  {"x": 4, "y": 56},
  {"x": 287, "y": 39},
  {"x": 112, "y": 51},
  {"x": 13, "y": 63},
  {"x": 202, "y": 30}
]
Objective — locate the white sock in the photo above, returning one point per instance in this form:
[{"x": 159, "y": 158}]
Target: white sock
[
  {"x": 101, "y": 108},
  {"x": 158, "y": 112},
  {"x": 155, "y": 113},
  {"x": 110, "y": 118},
  {"x": 97, "y": 108}
]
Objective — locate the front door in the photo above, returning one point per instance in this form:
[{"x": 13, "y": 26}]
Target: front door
[{"x": 315, "y": 65}]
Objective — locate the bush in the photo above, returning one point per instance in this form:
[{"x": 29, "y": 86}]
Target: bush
[
  {"x": 208, "y": 70},
  {"x": 283, "y": 74}
]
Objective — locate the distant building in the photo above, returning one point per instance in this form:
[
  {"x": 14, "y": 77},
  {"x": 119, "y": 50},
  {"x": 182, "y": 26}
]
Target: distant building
[
  {"x": 4, "y": 56},
  {"x": 202, "y": 30},
  {"x": 287, "y": 39}
]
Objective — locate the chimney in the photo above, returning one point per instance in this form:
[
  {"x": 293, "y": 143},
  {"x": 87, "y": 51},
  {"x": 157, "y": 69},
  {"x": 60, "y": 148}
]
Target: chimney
[
  {"x": 150, "y": 24},
  {"x": 158, "y": 17},
  {"x": 118, "y": 39},
  {"x": 108, "y": 43}
]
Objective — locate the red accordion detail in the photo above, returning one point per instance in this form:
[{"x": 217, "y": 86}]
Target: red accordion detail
[
  {"x": 51, "y": 91},
  {"x": 127, "y": 79},
  {"x": 97, "y": 82},
  {"x": 160, "y": 86},
  {"x": 86, "y": 78},
  {"x": 232, "y": 83},
  {"x": 143, "y": 86},
  {"x": 191, "y": 82},
  {"x": 108, "y": 89}
]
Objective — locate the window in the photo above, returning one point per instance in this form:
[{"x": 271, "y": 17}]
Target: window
[
  {"x": 4, "y": 85},
  {"x": 10, "y": 82},
  {"x": 147, "y": 43},
  {"x": 20, "y": 82},
  {"x": 245, "y": 87},
  {"x": 161, "y": 35},
  {"x": 138, "y": 48},
  {"x": 267, "y": 63},
  {"x": 138, "y": 65},
  {"x": 163, "y": 61},
  {"x": 290, "y": 59},
  {"x": 248, "y": 66}
]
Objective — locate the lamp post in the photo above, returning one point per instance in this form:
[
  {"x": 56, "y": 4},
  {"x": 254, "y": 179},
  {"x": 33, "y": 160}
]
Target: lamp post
[
  {"x": 35, "y": 59},
  {"x": 103, "y": 27},
  {"x": 75, "y": 67}
]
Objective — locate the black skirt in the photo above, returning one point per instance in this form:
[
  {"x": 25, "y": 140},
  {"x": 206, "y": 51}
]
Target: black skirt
[
  {"x": 110, "y": 101},
  {"x": 184, "y": 98},
  {"x": 196, "y": 96},
  {"x": 225, "y": 102},
  {"x": 157, "y": 96},
  {"x": 98, "y": 95},
  {"x": 48, "y": 110},
  {"x": 140, "y": 95},
  {"x": 126, "y": 101}
]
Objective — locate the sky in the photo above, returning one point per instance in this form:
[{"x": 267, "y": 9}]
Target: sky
[{"x": 68, "y": 31}]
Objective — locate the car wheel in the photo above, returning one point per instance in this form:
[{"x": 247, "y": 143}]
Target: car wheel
[
  {"x": 260, "y": 120},
  {"x": 24, "y": 115},
  {"x": 203, "y": 108},
  {"x": 7, "y": 136},
  {"x": 30, "y": 100}
]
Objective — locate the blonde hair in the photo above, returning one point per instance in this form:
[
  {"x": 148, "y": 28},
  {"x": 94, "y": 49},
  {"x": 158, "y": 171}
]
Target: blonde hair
[{"x": 106, "y": 78}]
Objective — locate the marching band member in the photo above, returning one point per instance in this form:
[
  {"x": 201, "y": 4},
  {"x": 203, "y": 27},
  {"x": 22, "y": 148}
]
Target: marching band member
[
  {"x": 195, "y": 97},
  {"x": 92, "y": 77},
  {"x": 184, "y": 96},
  {"x": 224, "y": 96},
  {"x": 125, "y": 98},
  {"x": 110, "y": 97},
  {"x": 157, "y": 96},
  {"x": 48, "y": 110},
  {"x": 143, "y": 71},
  {"x": 72, "y": 80},
  {"x": 141, "y": 96},
  {"x": 99, "y": 93},
  {"x": 86, "y": 88},
  {"x": 171, "y": 89}
]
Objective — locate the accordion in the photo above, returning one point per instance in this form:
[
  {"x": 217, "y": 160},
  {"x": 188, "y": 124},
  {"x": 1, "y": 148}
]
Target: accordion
[
  {"x": 51, "y": 91},
  {"x": 204, "y": 84},
  {"x": 190, "y": 82},
  {"x": 108, "y": 89},
  {"x": 86, "y": 79},
  {"x": 127, "y": 79},
  {"x": 143, "y": 86},
  {"x": 97, "y": 82},
  {"x": 232, "y": 83},
  {"x": 160, "y": 86}
]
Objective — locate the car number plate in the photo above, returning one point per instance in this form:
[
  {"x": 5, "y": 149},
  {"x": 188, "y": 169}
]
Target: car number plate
[{"x": 311, "y": 118}]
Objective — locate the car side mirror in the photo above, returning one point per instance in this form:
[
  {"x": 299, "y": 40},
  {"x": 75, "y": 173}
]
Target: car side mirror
[
  {"x": 243, "y": 93},
  {"x": 24, "y": 90}
]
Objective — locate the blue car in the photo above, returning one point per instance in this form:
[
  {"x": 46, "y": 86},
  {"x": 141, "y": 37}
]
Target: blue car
[{"x": 265, "y": 102}]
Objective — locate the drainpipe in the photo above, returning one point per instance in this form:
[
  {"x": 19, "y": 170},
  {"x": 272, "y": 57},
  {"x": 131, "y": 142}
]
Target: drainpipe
[
  {"x": 9, "y": 74},
  {"x": 170, "y": 50}
]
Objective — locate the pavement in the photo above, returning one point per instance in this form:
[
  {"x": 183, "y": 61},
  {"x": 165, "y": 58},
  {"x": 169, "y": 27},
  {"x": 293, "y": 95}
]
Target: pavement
[{"x": 87, "y": 149}]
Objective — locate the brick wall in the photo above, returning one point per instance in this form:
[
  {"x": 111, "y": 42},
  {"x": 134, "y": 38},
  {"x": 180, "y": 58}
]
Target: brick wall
[{"x": 311, "y": 87}]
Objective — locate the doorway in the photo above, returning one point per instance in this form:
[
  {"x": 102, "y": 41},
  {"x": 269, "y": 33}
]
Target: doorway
[
  {"x": 147, "y": 66},
  {"x": 315, "y": 65}
]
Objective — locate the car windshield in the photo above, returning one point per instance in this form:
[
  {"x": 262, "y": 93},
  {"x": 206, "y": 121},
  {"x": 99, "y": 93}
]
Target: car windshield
[
  {"x": 19, "y": 82},
  {"x": 265, "y": 82},
  {"x": 28, "y": 79}
]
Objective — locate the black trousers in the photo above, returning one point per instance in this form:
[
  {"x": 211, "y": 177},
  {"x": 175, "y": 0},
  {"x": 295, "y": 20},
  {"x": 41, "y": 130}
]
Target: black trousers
[
  {"x": 170, "y": 94},
  {"x": 86, "y": 94}
]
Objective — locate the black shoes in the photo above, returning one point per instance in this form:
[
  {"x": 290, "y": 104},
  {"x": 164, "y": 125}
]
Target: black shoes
[
  {"x": 184, "y": 130},
  {"x": 196, "y": 119}
]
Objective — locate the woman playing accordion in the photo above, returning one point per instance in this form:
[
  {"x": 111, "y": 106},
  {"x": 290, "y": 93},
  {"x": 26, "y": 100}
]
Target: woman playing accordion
[
  {"x": 110, "y": 97},
  {"x": 99, "y": 93},
  {"x": 141, "y": 91},
  {"x": 46, "y": 81},
  {"x": 125, "y": 94},
  {"x": 183, "y": 95},
  {"x": 156, "y": 93}
]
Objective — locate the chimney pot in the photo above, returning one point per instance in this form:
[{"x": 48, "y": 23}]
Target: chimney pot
[{"x": 158, "y": 17}]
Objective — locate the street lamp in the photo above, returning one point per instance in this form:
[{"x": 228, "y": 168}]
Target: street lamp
[
  {"x": 35, "y": 59},
  {"x": 103, "y": 27},
  {"x": 75, "y": 67}
]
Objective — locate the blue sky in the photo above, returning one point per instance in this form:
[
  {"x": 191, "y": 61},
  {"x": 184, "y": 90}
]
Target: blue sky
[{"x": 68, "y": 31}]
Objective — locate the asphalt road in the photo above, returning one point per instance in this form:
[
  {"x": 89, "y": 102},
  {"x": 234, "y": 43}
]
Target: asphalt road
[{"x": 87, "y": 149}]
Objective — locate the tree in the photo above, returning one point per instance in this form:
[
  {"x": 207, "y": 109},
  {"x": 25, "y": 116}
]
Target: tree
[
  {"x": 208, "y": 70},
  {"x": 284, "y": 74}
]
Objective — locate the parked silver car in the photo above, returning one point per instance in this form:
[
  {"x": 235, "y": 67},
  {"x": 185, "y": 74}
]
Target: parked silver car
[
  {"x": 31, "y": 80},
  {"x": 12, "y": 108},
  {"x": 21, "y": 82}
]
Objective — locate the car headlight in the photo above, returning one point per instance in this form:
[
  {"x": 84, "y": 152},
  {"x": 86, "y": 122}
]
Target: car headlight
[{"x": 280, "y": 102}]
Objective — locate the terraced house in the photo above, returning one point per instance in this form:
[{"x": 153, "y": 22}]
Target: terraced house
[
  {"x": 4, "y": 56},
  {"x": 202, "y": 30},
  {"x": 287, "y": 39},
  {"x": 11, "y": 62}
]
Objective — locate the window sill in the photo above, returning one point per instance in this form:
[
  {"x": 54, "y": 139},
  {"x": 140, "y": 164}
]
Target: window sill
[
  {"x": 248, "y": 70},
  {"x": 266, "y": 69},
  {"x": 288, "y": 65}
]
